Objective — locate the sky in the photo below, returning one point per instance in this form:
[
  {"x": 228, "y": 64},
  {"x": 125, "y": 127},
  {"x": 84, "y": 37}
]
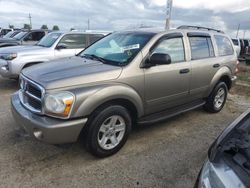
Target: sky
[{"x": 127, "y": 14}]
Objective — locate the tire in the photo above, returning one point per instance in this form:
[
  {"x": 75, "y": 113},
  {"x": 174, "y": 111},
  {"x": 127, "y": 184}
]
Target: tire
[
  {"x": 214, "y": 103},
  {"x": 103, "y": 136},
  {"x": 248, "y": 62}
]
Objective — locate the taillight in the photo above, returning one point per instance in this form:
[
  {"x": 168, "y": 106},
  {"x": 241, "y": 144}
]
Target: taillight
[{"x": 237, "y": 69}]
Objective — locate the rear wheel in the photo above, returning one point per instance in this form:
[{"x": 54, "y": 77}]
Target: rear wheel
[
  {"x": 108, "y": 131},
  {"x": 217, "y": 98}
]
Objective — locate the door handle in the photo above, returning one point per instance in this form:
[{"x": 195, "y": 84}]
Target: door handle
[
  {"x": 216, "y": 65},
  {"x": 184, "y": 71}
]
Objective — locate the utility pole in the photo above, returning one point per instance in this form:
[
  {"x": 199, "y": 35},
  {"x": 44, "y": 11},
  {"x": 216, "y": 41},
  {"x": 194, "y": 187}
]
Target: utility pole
[
  {"x": 244, "y": 34},
  {"x": 30, "y": 21},
  {"x": 88, "y": 24},
  {"x": 238, "y": 31},
  {"x": 168, "y": 13}
]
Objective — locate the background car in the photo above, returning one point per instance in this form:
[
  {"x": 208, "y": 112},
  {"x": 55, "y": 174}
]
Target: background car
[
  {"x": 29, "y": 37},
  {"x": 4, "y": 31},
  {"x": 237, "y": 46},
  {"x": 55, "y": 45},
  {"x": 11, "y": 34},
  {"x": 228, "y": 163}
]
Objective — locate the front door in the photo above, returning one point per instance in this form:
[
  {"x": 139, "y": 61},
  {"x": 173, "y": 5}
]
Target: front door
[{"x": 167, "y": 86}]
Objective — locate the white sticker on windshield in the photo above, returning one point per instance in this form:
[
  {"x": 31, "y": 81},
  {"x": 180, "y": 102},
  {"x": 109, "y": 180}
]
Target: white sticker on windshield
[{"x": 130, "y": 47}]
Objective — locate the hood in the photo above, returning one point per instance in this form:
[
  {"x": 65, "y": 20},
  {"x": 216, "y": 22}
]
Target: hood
[
  {"x": 71, "y": 71},
  {"x": 233, "y": 147},
  {"x": 22, "y": 49},
  {"x": 7, "y": 40}
]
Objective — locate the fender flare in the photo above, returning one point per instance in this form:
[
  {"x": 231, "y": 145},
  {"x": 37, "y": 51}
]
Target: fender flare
[
  {"x": 110, "y": 93},
  {"x": 27, "y": 64},
  {"x": 222, "y": 72}
]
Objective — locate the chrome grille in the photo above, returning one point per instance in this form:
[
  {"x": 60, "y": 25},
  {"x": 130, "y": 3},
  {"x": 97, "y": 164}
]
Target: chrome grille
[{"x": 31, "y": 95}]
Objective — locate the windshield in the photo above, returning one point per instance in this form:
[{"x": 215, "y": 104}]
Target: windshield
[
  {"x": 49, "y": 39},
  {"x": 8, "y": 35},
  {"x": 20, "y": 35},
  {"x": 117, "y": 48}
]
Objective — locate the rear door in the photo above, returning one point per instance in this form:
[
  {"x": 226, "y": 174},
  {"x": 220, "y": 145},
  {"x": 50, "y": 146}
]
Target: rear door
[
  {"x": 203, "y": 62},
  {"x": 74, "y": 43}
]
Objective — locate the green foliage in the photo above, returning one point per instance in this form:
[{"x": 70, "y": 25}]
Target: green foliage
[
  {"x": 44, "y": 27},
  {"x": 26, "y": 26},
  {"x": 55, "y": 28}
]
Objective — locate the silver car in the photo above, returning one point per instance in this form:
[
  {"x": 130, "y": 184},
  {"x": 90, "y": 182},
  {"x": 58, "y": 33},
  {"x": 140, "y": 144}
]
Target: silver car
[
  {"x": 53, "y": 46},
  {"x": 228, "y": 163},
  {"x": 125, "y": 78}
]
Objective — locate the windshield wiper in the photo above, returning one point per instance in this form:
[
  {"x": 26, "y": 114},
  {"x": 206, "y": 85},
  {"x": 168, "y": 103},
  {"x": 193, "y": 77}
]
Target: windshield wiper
[
  {"x": 94, "y": 57},
  {"x": 104, "y": 61}
]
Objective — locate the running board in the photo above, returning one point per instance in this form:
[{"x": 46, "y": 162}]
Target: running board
[{"x": 163, "y": 115}]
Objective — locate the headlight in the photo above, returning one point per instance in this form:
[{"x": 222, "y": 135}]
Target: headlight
[
  {"x": 10, "y": 56},
  {"x": 59, "y": 104},
  {"x": 210, "y": 177}
]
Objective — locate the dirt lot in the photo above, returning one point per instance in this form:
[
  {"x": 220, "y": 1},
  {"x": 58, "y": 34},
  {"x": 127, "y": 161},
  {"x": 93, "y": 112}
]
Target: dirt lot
[{"x": 168, "y": 154}]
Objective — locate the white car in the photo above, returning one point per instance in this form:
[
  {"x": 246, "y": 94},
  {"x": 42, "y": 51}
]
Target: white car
[
  {"x": 53, "y": 46},
  {"x": 237, "y": 46}
]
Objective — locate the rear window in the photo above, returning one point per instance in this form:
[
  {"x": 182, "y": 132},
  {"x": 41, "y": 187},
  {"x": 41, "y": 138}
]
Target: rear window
[
  {"x": 224, "y": 45},
  {"x": 201, "y": 47}
]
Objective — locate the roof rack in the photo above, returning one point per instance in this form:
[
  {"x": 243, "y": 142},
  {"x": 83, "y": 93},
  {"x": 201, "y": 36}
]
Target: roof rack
[{"x": 198, "y": 27}]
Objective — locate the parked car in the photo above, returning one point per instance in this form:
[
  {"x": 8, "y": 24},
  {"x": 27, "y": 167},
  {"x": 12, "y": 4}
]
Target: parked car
[
  {"x": 23, "y": 38},
  {"x": 125, "y": 78},
  {"x": 237, "y": 46},
  {"x": 55, "y": 45},
  {"x": 11, "y": 34},
  {"x": 228, "y": 163},
  {"x": 4, "y": 31}
]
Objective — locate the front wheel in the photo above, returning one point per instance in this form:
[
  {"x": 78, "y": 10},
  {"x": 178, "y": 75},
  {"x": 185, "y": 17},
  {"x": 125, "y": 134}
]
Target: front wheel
[
  {"x": 108, "y": 130},
  {"x": 217, "y": 98}
]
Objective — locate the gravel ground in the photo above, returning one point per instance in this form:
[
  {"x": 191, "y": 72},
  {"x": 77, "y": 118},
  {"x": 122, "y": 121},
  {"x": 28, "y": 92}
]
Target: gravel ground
[{"x": 168, "y": 154}]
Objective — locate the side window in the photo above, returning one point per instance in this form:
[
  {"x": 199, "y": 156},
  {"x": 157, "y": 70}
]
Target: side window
[
  {"x": 173, "y": 47},
  {"x": 34, "y": 36},
  {"x": 73, "y": 41},
  {"x": 224, "y": 45},
  {"x": 93, "y": 38},
  {"x": 201, "y": 47}
]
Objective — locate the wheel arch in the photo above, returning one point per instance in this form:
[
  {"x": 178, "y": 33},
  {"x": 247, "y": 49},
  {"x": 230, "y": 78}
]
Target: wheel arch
[
  {"x": 223, "y": 74},
  {"x": 121, "y": 95}
]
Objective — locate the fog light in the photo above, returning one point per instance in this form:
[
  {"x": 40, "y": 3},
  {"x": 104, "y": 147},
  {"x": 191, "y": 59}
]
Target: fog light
[{"x": 38, "y": 134}]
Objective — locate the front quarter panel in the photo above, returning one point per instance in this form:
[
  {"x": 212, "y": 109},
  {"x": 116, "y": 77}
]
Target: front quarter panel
[{"x": 88, "y": 99}]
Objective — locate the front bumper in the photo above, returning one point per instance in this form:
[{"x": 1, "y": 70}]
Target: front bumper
[
  {"x": 233, "y": 80},
  {"x": 5, "y": 70},
  {"x": 46, "y": 129}
]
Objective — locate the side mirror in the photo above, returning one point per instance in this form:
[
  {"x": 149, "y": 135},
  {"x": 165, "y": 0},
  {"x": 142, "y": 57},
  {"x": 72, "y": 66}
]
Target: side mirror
[
  {"x": 61, "y": 46},
  {"x": 160, "y": 59}
]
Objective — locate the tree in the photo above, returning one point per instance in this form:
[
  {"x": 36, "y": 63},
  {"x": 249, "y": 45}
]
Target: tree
[
  {"x": 44, "y": 27},
  {"x": 55, "y": 28},
  {"x": 26, "y": 26},
  {"x": 11, "y": 26}
]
